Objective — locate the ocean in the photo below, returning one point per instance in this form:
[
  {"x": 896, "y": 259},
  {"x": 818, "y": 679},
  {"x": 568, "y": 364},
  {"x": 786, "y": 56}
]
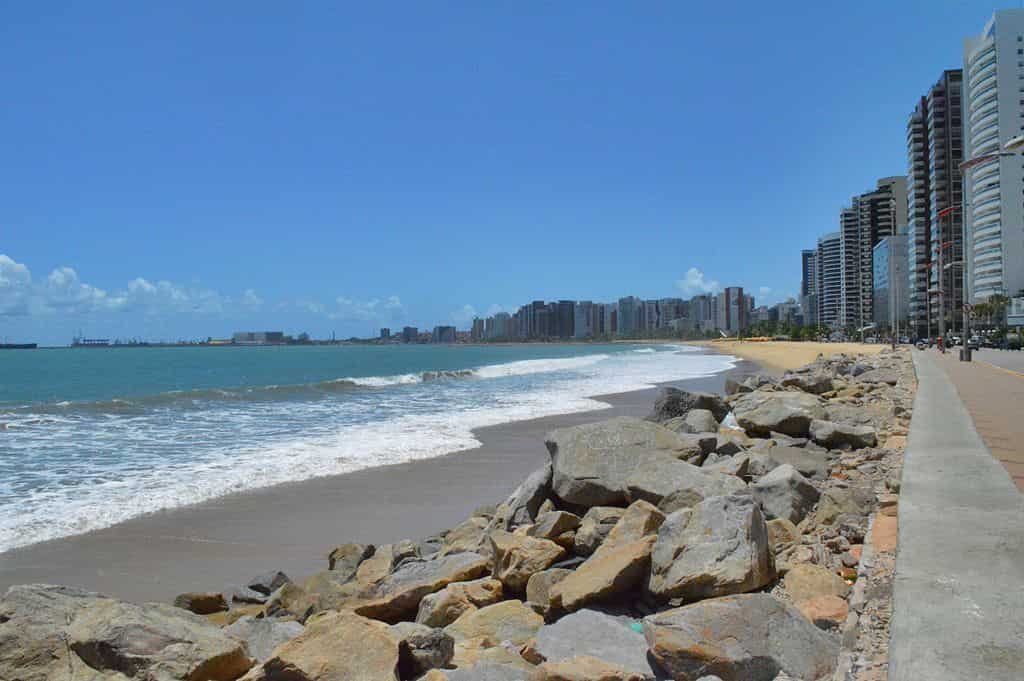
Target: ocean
[{"x": 93, "y": 437}]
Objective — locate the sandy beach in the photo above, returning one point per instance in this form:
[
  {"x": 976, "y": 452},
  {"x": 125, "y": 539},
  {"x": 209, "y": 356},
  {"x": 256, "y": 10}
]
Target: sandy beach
[
  {"x": 779, "y": 356},
  {"x": 292, "y": 527}
]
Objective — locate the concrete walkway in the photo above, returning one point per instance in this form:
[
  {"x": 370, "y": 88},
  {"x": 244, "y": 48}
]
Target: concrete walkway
[{"x": 958, "y": 608}]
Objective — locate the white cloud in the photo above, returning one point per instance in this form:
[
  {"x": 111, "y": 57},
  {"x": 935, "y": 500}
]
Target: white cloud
[
  {"x": 251, "y": 300},
  {"x": 15, "y": 286},
  {"x": 695, "y": 283},
  {"x": 464, "y": 314},
  {"x": 495, "y": 309},
  {"x": 763, "y": 291}
]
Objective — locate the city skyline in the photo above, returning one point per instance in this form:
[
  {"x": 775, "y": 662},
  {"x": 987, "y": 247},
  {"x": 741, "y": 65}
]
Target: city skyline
[{"x": 171, "y": 173}]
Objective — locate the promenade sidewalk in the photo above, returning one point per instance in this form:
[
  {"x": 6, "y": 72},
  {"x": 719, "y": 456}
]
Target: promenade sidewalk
[
  {"x": 992, "y": 389},
  {"x": 958, "y": 605}
]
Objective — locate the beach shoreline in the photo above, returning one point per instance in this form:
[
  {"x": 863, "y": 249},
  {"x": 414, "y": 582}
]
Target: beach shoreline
[{"x": 220, "y": 543}]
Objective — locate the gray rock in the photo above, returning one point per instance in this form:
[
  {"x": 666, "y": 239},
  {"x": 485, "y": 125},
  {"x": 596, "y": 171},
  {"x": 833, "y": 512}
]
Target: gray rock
[
  {"x": 749, "y": 637},
  {"x": 488, "y": 671},
  {"x": 700, "y": 421},
  {"x": 810, "y": 463},
  {"x": 263, "y": 635},
  {"x": 815, "y": 383},
  {"x": 836, "y": 435},
  {"x": 247, "y": 595},
  {"x": 737, "y": 465},
  {"x": 205, "y": 603},
  {"x": 421, "y": 648},
  {"x": 653, "y": 480},
  {"x": 347, "y": 558},
  {"x": 718, "y": 547},
  {"x": 878, "y": 376},
  {"x": 522, "y": 505},
  {"x": 594, "y": 528},
  {"x": 727, "y": 445},
  {"x": 538, "y": 589},
  {"x": 842, "y": 501},
  {"x": 554, "y": 524},
  {"x": 674, "y": 402},
  {"x": 790, "y": 413},
  {"x": 594, "y": 633},
  {"x": 784, "y": 493},
  {"x": 268, "y": 582},
  {"x": 591, "y": 462}
]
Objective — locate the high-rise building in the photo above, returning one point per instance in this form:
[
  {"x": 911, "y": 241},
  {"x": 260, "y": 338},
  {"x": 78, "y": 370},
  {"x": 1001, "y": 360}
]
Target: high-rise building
[
  {"x": 994, "y": 189},
  {"x": 479, "y": 329},
  {"x": 809, "y": 272},
  {"x": 919, "y": 219},
  {"x": 385, "y": 333},
  {"x": 583, "y": 319},
  {"x": 501, "y": 326},
  {"x": 670, "y": 309},
  {"x": 443, "y": 334},
  {"x": 410, "y": 334},
  {"x": 870, "y": 217},
  {"x": 703, "y": 312},
  {"x": 650, "y": 315},
  {"x": 890, "y": 281},
  {"x": 733, "y": 310},
  {"x": 629, "y": 315},
  {"x": 566, "y": 312},
  {"x": 830, "y": 280}
]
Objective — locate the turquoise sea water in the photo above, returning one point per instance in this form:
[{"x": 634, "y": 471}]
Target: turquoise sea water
[{"x": 91, "y": 437}]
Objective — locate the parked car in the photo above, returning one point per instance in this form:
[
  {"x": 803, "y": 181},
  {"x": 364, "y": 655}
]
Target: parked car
[
  {"x": 974, "y": 343},
  {"x": 922, "y": 344}
]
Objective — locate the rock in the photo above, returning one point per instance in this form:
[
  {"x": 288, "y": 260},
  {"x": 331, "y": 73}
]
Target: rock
[
  {"x": 55, "y": 632},
  {"x": 378, "y": 566},
  {"x": 782, "y": 534},
  {"x": 815, "y": 383},
  {"x": 594, "y": 527},
  {"x": 790, "y": 413},
  {"x": 583, "y": 668},
  {"x": 470, "y": 535},
  {"x": 784, "y": 493},
  {"x": 837, "y": 501},
  {"x": 262, "y": 636},
  {"x": 347, "y": 558},
  {"x": 810, "y": 463},
  {"x": 640, "y": 520},
  {"x": 673, "y": 402},
  {"x": 655, "y": 479},
  {"x": 748, "y": 637},
  {"x": 826, "y": 612},
  {"x": 504, "y": 621},
  {"x": 247, "y": 595},
  {"x": 518, "y": 557},
  {"x": 488, "y": 671},
  {"x": 718, "y": 547},
  {"x": 421, "y": 648},
  {"x": 523, "y": 504},
  {"x": 538, "y": 589},
  {"x": 329, "y": 590},
  {"x": 700, "y": 421},
  {"x": 445, "y": 606},
  {"x": 737, "y": 465},
  {"x": 728, "y": 445},
  {"x": 268, "y": 582},
  {"x": 609, "y": 573},
  {"x": 835, "y": 435},
  {"x": 290, "y": 600},
  {"x": 878, "y": 376},
  {"x": 695, "y": 446},
  {"x": 594, "y": 633},
  {"x": 806, "y": 581},
  {"x": 398, "y": 596},
  {"x": 335, "y": 646},
  {"x": 591, "y": 462},
  {"x": 557, "y": 526},
  {"x": 201, "y": 603}
]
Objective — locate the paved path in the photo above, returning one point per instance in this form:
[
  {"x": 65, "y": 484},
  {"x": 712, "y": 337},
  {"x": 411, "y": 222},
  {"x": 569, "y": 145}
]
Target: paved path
[
  {"x": 994, "y": 397},
  {"x": 958, "y": 608}
]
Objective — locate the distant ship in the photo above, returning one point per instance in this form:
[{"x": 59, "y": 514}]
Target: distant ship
[
  {"x": 79, "y": 342},
  {"x": 17, "y": 346}
]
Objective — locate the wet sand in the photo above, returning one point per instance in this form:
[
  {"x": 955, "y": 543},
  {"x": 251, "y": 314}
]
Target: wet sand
[{"x": 291, "y": 527}]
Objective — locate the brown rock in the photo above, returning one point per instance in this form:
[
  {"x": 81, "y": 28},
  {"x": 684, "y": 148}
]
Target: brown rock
[
  {"x": 538, "y": 589},
  {"x": 398, "y": 596},
  {"x": 640, "y": 520},
  {"x": 516, "y": 558},
  {"x": 505, "y": 621},
  {"x": 583, "y": 668},
  {"x": 202, "y": 603},
  {"x": 827, "y": 612},
  {"x": 884, "y": 533},
  {"x": 594, "y": 527},
  {"x": 782, "y": 534},
  {"x": 468, "y": 536},
  {"x": 606, "y": 574},
  {"x": 806, "y": 581},
  {"x": 445, "y": 606},
  {"x": 347, "y": 558}
]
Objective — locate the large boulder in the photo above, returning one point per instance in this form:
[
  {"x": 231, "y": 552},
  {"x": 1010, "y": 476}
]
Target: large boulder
[
  {"x": 790, "y": 413},
  {"x": 346, "y": 559},
  {"x": 810, "y": 463},
  {"x": 880, "y": 375},
  {"x": 815, "y": 383},
  {"x": 557, "y": 526},
  {"x": 55, "y": 632},
  {"x": 640, "y": 520},
  {"x": 522, "y": 505},
  {"x": 673, "y": 402},
  {"x": 335, "y": 646},
  {"x": 421, "y": 648},
  {"x": 784, "y": 493},
  {"x": 505, "y": 621},
  {"x": 583, "y": 668},
  {"x": 805, "y": 581},
  {"x": 594, "y": 527},
  {"x": 718, "y": 547},
  {"x": 699, "y": 421},
  {"x": 517, "y": 557},
  {"x": 608, "y": 574},
  {"x": 263, "y": 635},
  {"x": 538, "y": 589},
  {"x": 268, "y": 582},
  {"x": 469, "y": 535},
  {"x": 397, "y": 597},
  {"x": 748, "y": 637},
  {"x": 836, "y": 501},
  {"x": 597, "y": 634},
  {"x": 447, "y": 605},
  {"x": 201, "y": 602},
  {"x": 654, "y": 479},
  {"x": 836, "y": 435},
  {"x": 591, "y": 462}
]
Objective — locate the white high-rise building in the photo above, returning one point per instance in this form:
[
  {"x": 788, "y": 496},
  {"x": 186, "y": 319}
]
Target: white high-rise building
[
  {"x": 993, "y": 113},
  {"x": 830, "y": 280}
]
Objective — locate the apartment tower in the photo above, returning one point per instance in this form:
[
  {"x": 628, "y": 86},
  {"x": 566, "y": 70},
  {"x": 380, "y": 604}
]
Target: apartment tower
[{"x": 829, "y": 280}]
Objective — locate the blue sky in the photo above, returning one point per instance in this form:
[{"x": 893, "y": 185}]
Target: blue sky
[{"x": 179, "y": 170}]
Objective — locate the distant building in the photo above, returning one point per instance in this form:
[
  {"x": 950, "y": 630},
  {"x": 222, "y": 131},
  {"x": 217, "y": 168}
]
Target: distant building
[
  {"x": 443, "y": 334},
  {"x": 703, "y": 312},
  {"x": 501, "y": 326},
  {"x": 583, "y": 319},
  {"x": 669, "y": 310},
  {"x": 477, "y": 331},
  {"x": 829, "y": 281},
  {"x": 628, "y": 315},
  {"x": 733, "y": 310},
  {"x": 385, "y": 333},
  {"x": 890, "y": 282},
  {"x": 258, "y": 337},
  {"x": 410, "y": 334},
  {"x": 566, "y": 315}
]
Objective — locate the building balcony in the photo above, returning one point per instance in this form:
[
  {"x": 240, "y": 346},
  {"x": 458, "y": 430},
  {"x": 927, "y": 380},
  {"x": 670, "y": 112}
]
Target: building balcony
[
  {"x": 982, "y": 70},
  {"x": 987, "y": 144},
  {"x": 984, "y": 107},
  {"x": 982, "y": 96},
  {"x": 986, "y": 193},
  {"x": 984, "y": 119},
  {"x": 986, "y": 221}
]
